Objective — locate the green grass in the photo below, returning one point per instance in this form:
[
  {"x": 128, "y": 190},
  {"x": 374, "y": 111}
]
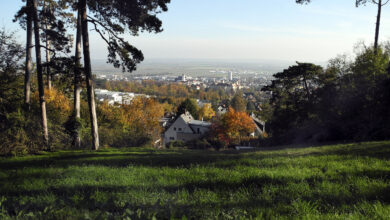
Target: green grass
[{"x": 331, "y": 182}]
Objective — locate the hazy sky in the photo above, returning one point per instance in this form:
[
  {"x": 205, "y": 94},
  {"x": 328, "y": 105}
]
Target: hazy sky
[{"x": 249, "y": 29}]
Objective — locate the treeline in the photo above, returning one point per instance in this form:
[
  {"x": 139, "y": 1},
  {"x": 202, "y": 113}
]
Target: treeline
[
  {"x": 48, "y": 25},
  {"x": 136, "y": 124},
  {"x": 348, "y": 100}
]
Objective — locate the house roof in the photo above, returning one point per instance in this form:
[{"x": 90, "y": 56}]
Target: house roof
[
  {"x": 200, "y": 123},
  {"x": 259, "y": 123},
  {"x": 187, "y": 117}
]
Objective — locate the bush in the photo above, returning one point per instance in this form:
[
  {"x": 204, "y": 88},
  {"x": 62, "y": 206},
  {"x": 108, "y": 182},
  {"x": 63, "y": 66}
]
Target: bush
[
  {"x": 121, "y": 138},
  {"x": 19, "y": 136}
]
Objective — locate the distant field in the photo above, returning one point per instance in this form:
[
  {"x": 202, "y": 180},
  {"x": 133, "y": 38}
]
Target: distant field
[{"x": 332, "y": 182}]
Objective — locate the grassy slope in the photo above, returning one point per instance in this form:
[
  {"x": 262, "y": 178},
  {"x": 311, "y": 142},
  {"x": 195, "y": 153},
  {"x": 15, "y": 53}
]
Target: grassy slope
[{"x": 343, "y": 181}]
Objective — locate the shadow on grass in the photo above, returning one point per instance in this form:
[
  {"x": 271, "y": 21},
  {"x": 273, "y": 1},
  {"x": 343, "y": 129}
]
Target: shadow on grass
[
  {"x": 181, "y": 158},
  {"x": 104, "y": 198},
  {"x": 116, "y": 198},
  {"x": 151, "y": 159}
]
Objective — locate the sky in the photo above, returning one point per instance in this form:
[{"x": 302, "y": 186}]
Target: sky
[{"x": 248, "y": 30}]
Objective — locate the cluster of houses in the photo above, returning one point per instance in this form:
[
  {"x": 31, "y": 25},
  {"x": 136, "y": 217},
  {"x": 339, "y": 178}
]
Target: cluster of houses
[
  {"x": 185, "y": 128},
  {"x": 231, "y": 84},
  {"x": 113, "y": 97}
]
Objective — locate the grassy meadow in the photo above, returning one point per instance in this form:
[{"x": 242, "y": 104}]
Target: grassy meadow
[{"x": 330, "y": 182}]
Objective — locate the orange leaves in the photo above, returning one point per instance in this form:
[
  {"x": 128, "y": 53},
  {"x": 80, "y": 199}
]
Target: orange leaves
[
  {"x": 232, "y": 126},
  {"x": 238, "y": 123}
]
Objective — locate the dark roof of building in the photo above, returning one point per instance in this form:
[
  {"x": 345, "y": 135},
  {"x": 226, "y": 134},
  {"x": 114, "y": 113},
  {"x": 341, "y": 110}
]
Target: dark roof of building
[{"x": 199, "y": 123}]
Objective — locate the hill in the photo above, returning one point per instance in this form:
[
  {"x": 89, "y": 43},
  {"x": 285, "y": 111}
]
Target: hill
[{"x": 334, "y": 182}]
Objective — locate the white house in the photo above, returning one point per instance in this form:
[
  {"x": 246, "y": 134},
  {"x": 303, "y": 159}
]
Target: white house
[
  {"x": 111, "y": 97},
  {"x": 221, "y": 110},
  {"x": 260, "y": 126},
  {"x": 185, "y": 128}
]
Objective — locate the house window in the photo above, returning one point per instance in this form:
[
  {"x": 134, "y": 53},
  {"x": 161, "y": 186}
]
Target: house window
[
  {"x": 174, "y": 128},
  {"x": 172, "y": 138},
  {"x": 179, "y": 129}
]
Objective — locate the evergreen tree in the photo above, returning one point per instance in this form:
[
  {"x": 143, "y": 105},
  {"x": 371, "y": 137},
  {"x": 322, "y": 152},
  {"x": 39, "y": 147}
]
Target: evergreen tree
[
  {"x": 42, "y": 101},
  {"x": 380, "y": 4},
  {"x": 238, "y": 103},
  {"x": 28, "y": 68},
  {"x": 190, "y": 106},
  {"x": 77, "y": 83},
  {"x": 250, "y": 106},
  {"x": 111, "y": 18}
]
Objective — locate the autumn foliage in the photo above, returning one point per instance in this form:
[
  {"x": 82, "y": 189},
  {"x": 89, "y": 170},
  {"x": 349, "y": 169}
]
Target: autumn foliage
[
  {"x": 58, "y": 104},
  {"x": 206, "y": 112},
  {"x": 232, "y": 127},
  {"x": 143, "y": 115},
  {"x": 132, "y": 124}
]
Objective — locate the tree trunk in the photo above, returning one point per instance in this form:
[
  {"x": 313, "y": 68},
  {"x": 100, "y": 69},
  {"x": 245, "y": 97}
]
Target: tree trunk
[
  {"x": 40, "y": 73},
  {"x": 48, "y": 58},
  {"x": 308, "y": 94},
  {"x": 378, "y": 22},
  {"x": 88, "y": 76},
  {"x": 77, "y": 80},
  {"x": 27, "y": 76}
]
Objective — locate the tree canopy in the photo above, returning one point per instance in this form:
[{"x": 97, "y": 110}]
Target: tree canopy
[
  {"x": 112, "y": 18},
  {"x": 238, "y": 103},
  {"x": 190, "y": 106}
]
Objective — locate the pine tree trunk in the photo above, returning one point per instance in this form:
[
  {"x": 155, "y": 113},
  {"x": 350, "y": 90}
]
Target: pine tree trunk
[
  {"x": 48, "y": 59},
  {"x": 40, "y": 74},
  {"x": 308, "y": 94},
  {"x": 28, "y": 71},
  {"x": 88, "y": 76},
  {"x": 48, "y": 45},
  {"x": 378, "y": 22},
  {"x": 77, "y": 80}
]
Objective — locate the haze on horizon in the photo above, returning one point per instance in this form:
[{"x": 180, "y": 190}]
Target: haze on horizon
[{"x": 248, "y": 30}]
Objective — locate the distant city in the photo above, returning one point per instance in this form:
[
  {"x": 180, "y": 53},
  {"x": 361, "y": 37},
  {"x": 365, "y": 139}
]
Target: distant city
[
  {"x": 197, "y": 67},
  {"x": 196, "y": 73}
]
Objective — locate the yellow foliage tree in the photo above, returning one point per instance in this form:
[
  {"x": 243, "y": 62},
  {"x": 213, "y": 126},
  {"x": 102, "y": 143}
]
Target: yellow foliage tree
[
  {"x": 58, "y": 105},
  {"x": 206, "y": 112},
  {"x": 58, "y": 100},
  {"x": 143, "y": 115}
]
